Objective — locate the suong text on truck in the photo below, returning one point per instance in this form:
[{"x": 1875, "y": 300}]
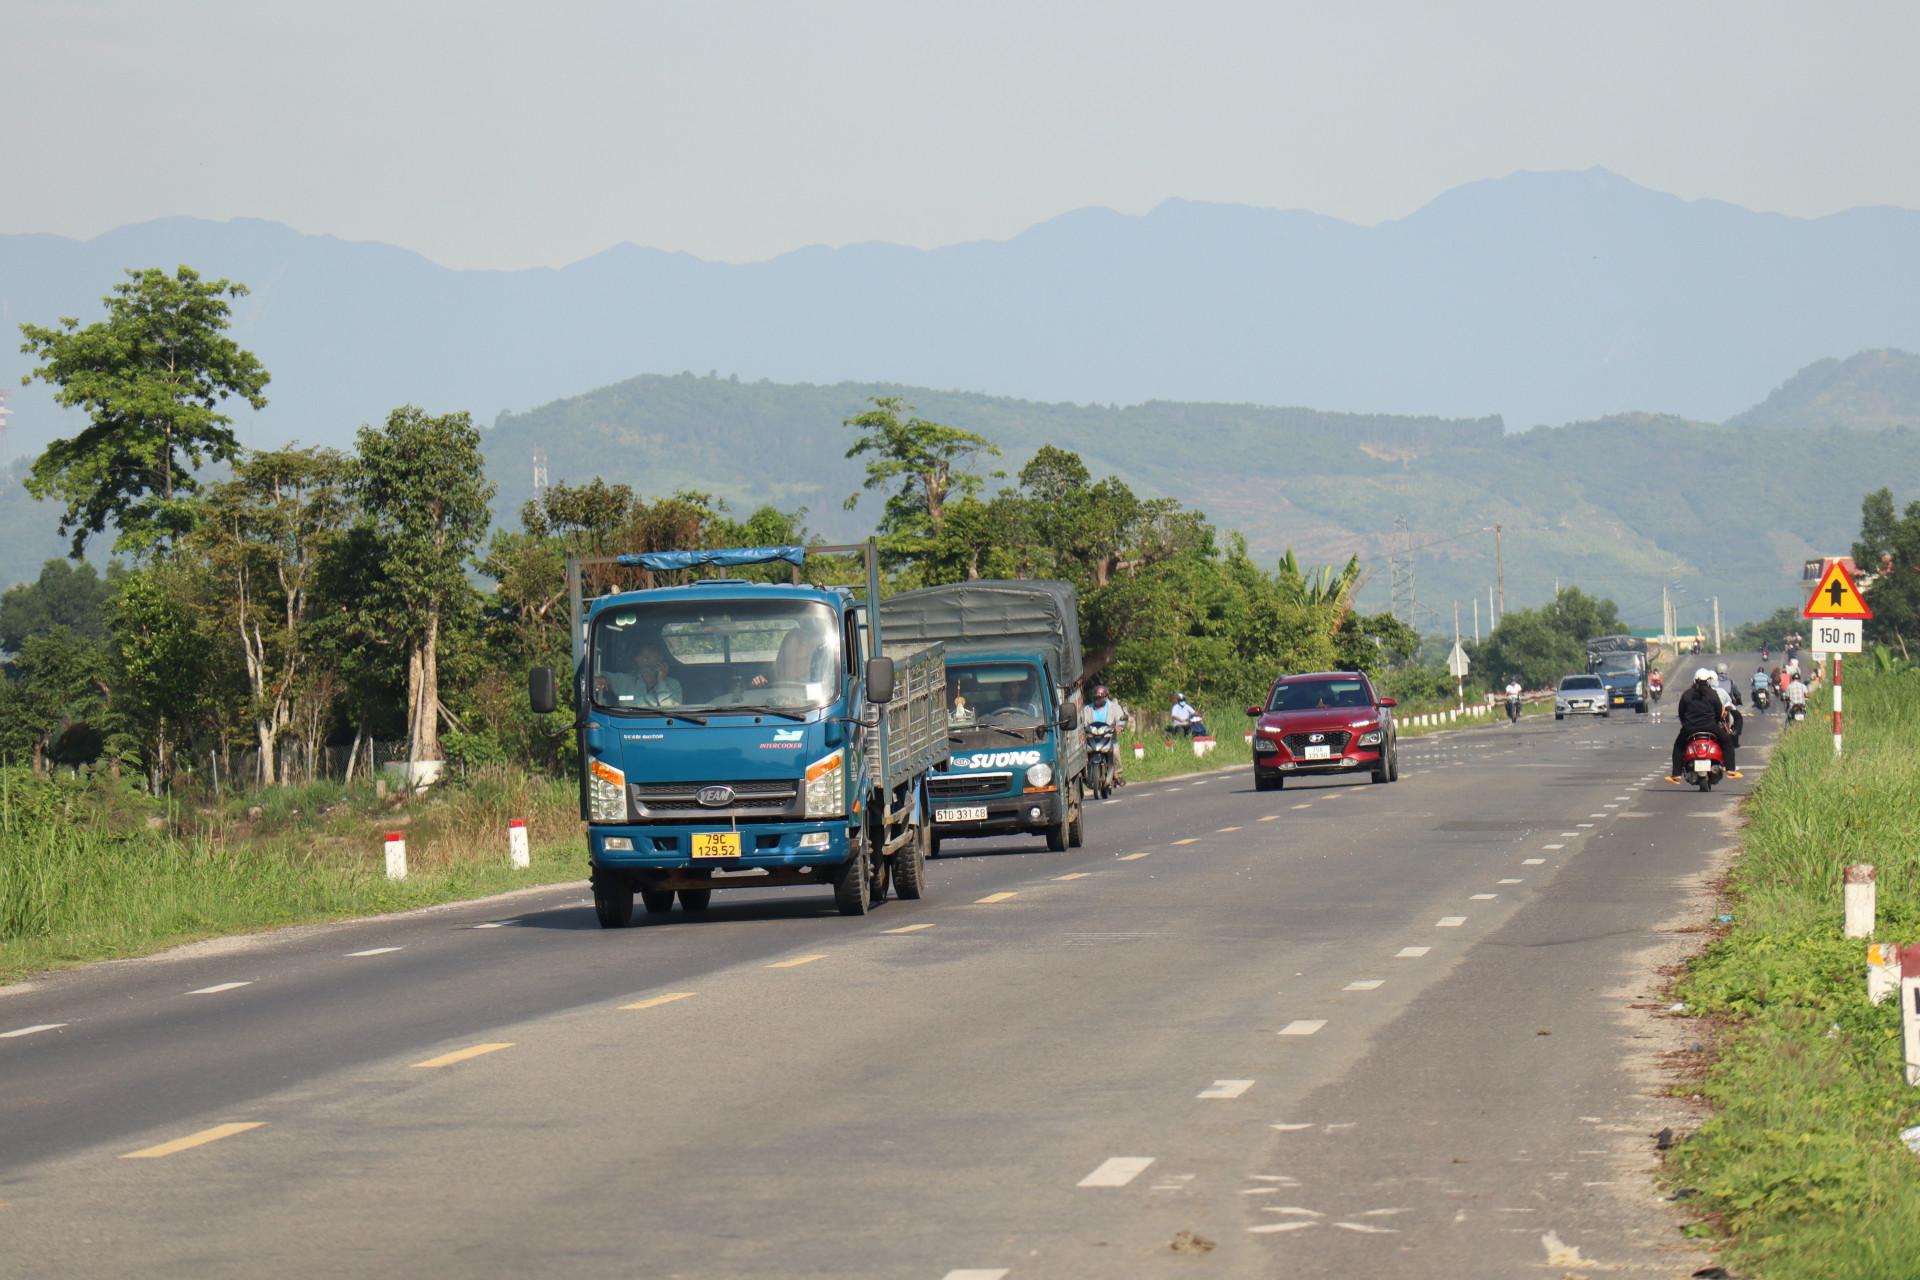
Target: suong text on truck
[
  {"x": 1013, "y": 705},
  {"x": 747, "y": 734}
]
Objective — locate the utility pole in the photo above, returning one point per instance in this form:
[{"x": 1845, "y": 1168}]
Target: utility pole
[
  {"x": 1666, "y": 615},
  {"x": 1492, "y": 621},
  {"x": 1460, "y": 681},
  {"x": 1400, "y": 573},
  {"x": 1476, "y": 619},
  {"x": 1500, "y": 562},
  {"x": 1716, "y": 624}
]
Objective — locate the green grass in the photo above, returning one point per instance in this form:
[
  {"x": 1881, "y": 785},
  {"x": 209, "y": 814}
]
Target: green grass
[
  {"x": 1801, "y": 1165},
  {"x": 84, "y": 876}
]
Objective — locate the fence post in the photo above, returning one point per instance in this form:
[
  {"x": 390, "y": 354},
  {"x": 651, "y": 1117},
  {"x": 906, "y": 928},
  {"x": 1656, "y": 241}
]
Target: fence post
[
  {"x": 1910, "y": 1010},
  {"x": 396, "y": 855},
  {"x": 1858, "y": 898},
  {"x": 517, "y": 843}
]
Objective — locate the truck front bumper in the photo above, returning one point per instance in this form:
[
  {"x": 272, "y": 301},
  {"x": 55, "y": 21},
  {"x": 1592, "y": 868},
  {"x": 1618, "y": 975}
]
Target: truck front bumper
[
  {"x": 660, "y": 856},
  {"x": 1032, "y": 811}
]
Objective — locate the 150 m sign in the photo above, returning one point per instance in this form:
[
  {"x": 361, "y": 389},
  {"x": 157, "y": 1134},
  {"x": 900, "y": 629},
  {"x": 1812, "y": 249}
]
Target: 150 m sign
[{"x": 1836, "y": 636}]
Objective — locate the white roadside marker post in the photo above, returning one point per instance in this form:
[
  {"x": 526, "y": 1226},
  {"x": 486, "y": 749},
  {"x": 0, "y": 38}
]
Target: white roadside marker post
[
  {"x": 396, "y": 855},
  {"x": 1883, "y": 971},
  {"x": 1910, "y": 1010},
  {"x": 517, "y": 853},
  {"x": 1858, "y": 896}
]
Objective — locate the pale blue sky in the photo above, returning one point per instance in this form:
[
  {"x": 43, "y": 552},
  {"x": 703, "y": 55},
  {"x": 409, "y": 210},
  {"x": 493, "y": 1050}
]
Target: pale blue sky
[{"x": 494, "y": 135}]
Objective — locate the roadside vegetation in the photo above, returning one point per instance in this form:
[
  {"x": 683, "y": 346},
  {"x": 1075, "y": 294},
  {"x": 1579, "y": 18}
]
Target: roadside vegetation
[{"x": 1801, "y": 1165}]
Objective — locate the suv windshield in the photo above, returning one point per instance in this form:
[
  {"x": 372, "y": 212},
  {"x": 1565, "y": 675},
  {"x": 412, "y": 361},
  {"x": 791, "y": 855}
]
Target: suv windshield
[
  {"x": 714, "y": 654},
  {"x": 1310, "y": 695},
  {"x": 1580, "y": 682},
  {"x": 1003, "y": 693}
]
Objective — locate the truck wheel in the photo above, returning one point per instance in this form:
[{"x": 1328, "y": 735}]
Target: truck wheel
[
  {"x": 612, "y": 901},
  {"x": 910, "y": 864},
  {"x": 1057, "y": 833},
  {"x": 1274, "y": 783},
  {"x": 1558, "y": 716},
  {"x": 933, "y": 844},
  {"x": 657, "y": 901},
  {"x": 695, "y": 899},
  {"x": 1077, "y": 824},
  {"x": 853, "y": 889}
]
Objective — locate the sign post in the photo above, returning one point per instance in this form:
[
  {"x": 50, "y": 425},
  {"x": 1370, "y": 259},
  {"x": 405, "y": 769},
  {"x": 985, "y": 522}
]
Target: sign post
[
  {"x": 1457, "y": 667},
  {"x": 1836, "y": 611}
]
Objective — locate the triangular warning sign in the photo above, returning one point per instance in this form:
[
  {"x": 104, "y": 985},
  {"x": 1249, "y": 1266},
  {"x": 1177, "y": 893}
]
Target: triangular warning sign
[{"x": 1836, "y": 596}]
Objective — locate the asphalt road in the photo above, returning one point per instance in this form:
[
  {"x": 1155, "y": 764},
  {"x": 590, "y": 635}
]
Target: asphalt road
[{"x": 1338, "y": 1030}]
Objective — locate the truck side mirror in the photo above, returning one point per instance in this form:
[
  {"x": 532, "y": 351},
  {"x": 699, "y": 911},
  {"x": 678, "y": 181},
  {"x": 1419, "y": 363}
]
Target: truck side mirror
[
  {"x": 880, "y": 680},
  {"x": 542, "y": 694},
  {"x": 1069, "y": 717}
]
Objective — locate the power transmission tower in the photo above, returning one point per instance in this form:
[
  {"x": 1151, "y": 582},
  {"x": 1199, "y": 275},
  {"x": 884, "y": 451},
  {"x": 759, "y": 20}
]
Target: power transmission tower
[
  {"x": 1400, "y": 569},
  {"x": 6, "y": 437},
  {"x": 540, "y": 478}
]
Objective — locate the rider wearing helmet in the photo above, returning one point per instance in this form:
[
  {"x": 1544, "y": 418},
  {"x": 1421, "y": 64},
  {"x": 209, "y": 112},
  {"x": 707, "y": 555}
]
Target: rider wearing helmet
[
  {"x": 1101, "y": 708},
  {"x": 1702, "y": 711}
]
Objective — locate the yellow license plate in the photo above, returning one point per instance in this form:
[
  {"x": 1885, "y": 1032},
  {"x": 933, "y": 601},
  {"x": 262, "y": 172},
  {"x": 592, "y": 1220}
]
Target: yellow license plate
[{"x": 717, "y": 844}]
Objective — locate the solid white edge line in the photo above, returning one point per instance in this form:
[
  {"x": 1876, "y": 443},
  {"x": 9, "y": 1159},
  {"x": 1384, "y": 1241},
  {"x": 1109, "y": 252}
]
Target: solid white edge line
[
  {"x": 219, "y": 987},
  {"x": 1116, "y": 1171},
  {"x": 33, "y": 1030},
  {"x": 374, "y": 951},
  {"x": 977, "y": 1273}
]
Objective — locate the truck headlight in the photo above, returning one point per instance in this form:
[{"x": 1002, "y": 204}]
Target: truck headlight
[
  {"x": 1264, "y": 745},
  {"x": 827, "y": 786},
  {"x": 1372, "y": 739},
  {"x": 606, "y": 793},
  {"x": 1039, "y": 775}
]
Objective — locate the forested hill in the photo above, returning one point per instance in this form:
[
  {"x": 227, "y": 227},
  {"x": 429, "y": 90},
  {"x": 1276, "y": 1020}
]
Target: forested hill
[
  {"x": 1615, "y": 504},
  {"x": 1872, "y": 390}
]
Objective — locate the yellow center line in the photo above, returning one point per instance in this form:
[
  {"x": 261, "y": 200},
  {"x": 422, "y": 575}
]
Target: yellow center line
[
  {"x": 1223, "y": 830},
  {"x": 1303, "y": 806},
  {"x": 461, "y": 1055},
  {"x": 1129, "y": 857},
  {"x": 994, "y": 897},
  {"x": 796, "y": 961},
  {"x": 1078, "y": 875},
  {"x": 1270, "y": 817},
  {"x": 908, "y": 929},
  {"x": 199, "y": 1139},
  {"x": 1189, "y": 840},
  {"x": 669, "y": 998}
]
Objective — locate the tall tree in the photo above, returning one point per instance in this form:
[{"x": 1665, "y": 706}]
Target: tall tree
[
  {"x": 420, "y": 480},
  {"x": 64, "y": 595},
  {"x": 58, "y": 679},
  {"x": 1889, "y": 546},
  {"x": 151, "y": 377},
  {"x": 923, "y": 462},
  {"x": 265, "y": 534}
]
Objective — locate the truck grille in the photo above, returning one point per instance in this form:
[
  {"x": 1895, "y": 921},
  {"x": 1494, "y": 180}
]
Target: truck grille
[
  {"x": 761, "y": 797},
  {"x": 1334, "y": 739},
  {"x": 947, "y": 786}
]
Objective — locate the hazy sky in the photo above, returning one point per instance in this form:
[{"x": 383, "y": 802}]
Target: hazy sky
[{"x": 508, "y": 135}]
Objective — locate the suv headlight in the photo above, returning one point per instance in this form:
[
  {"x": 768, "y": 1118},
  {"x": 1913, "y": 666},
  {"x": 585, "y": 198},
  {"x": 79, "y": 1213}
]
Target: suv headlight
[
  {"x": 1264, "y": 745},
  {"x": 827, "y": 786},
  {"x": 1039, "y": 775},
  {"x": 606, "y": 793},
  {"x": 1372, "y": 739}
]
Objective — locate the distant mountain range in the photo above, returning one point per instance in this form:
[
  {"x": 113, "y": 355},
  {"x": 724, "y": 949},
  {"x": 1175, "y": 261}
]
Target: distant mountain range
[
  {"x": 1871, "y": 391},
  {"x": 1540, "y": 297}
]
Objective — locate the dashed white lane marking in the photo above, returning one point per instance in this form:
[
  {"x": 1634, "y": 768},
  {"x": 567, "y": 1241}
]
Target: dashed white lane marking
[
  {"x": 1368, "y": 1228},
  {"x": 1129, "y": 857},
  {"x": 1411, "y": 953},
  {"x": 1303, "y": 1026},
  {"x": 1293, "y": 1209},
  {"x": 35, "y": 1029},
  {"x": 1365, "y": 984},
  {"x": 372, "y": 951},
  {"x": 1449, "y": 922},
  {"x": 1225, "y": 1089},
  {"x": 1284, "y": 1128},
  {"x": 224, "y": 986},
  {"x": 977, "y": 1273},
  {"x": 496, "y": 924},
  {"x": 1565, "y": 834},
  {"x": 1116, "y": 1171},
  {"x": 1267, "y": 1228},
  {"x": 1588, "y": 824},
  {"x": 1536, "y": 862},
  {"x": 1482, "y": 897},
  {"x": 1553, "y": 846},
  {"x": 1507, "y": 882},
  {"x": 916, "y": 927}
]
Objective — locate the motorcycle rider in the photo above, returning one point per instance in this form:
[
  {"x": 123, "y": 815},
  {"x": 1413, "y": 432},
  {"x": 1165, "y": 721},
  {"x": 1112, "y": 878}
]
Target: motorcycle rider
[
  {"x": 1182, "y": 717},
  {"x": 1701, "y": 711},
  {"x": 1513, "y": 698},
  {"x": 1760, "y": 683},
  {"x": 1729, "y": 699},
  {"x": 1796, "y": 697},
  {"x": 1104, "y": 709},
  {"x": 1655, "y": 683}
]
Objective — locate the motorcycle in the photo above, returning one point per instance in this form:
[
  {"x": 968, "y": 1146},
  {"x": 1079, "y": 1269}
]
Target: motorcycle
[
  {"x": 1101, "y": 769},
  {"x": 1705, "y": 765},
  {"x": 1513, "y": 710},
  {"x": 1797, "y": 711},
  {"x": 1761, "y": 701}
]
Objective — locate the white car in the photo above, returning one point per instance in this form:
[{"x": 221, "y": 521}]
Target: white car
[{"x": 1580, "y": 696}]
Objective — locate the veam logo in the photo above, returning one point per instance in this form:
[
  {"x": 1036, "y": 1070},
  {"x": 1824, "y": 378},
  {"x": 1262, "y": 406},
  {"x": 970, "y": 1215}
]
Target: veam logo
[{"x": 789, "y": 735}]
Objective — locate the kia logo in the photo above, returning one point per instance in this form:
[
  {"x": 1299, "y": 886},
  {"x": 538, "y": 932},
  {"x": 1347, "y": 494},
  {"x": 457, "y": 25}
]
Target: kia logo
[
  {"x": 1316, "y": 737},
  {"x": 715, "y": 797}
]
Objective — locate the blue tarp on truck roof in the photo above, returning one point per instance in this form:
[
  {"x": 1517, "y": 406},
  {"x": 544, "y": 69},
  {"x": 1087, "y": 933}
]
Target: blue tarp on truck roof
[{"x": 662, "y": 561}]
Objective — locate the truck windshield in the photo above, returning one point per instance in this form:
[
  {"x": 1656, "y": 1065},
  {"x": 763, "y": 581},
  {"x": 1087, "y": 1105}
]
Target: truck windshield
[
  {"x": 710, "y": 655},
  {"x": 1614, "y": 663},
  {"x": 1002, "y": 693}
]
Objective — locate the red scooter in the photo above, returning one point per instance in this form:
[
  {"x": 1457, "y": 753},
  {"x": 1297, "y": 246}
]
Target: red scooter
[{"x": 1705, "y": 763}]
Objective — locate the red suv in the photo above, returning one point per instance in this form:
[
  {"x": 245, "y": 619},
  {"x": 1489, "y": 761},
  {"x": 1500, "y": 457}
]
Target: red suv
[{"x": 1325, "y": 722}]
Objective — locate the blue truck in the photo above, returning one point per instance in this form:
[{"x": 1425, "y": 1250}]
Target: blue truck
[
  {"x": 1014, "y": 668},
  {"x": 1621, "y": 664},
  {"x": 748, "y": 734}
]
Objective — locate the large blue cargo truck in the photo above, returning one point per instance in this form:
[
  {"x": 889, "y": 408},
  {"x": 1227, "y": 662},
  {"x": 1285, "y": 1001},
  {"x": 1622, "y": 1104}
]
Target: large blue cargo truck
[
  {"x": 748, "y": 734},
  {"x": 1014, "y": 669}
]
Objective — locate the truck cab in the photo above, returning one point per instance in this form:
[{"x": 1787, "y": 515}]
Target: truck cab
[{"x": 1621, "y": 664}]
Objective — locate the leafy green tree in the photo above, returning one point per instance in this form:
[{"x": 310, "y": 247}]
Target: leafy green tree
[
  {"x": 1538, "y": 646},
  {"x": 1889, "y": 545},
  {"x": 421, "y": 482},
  {"x": 64, "y": 595},
  {"x": 57, "y": 680},
  {"x": 265, "y": 533},
  {"x": 151, "y": 378},
  {"x": 1769, "y": 632},
  {"x": 923, "y": 462},
  {"x": 166, "y": 670}
]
